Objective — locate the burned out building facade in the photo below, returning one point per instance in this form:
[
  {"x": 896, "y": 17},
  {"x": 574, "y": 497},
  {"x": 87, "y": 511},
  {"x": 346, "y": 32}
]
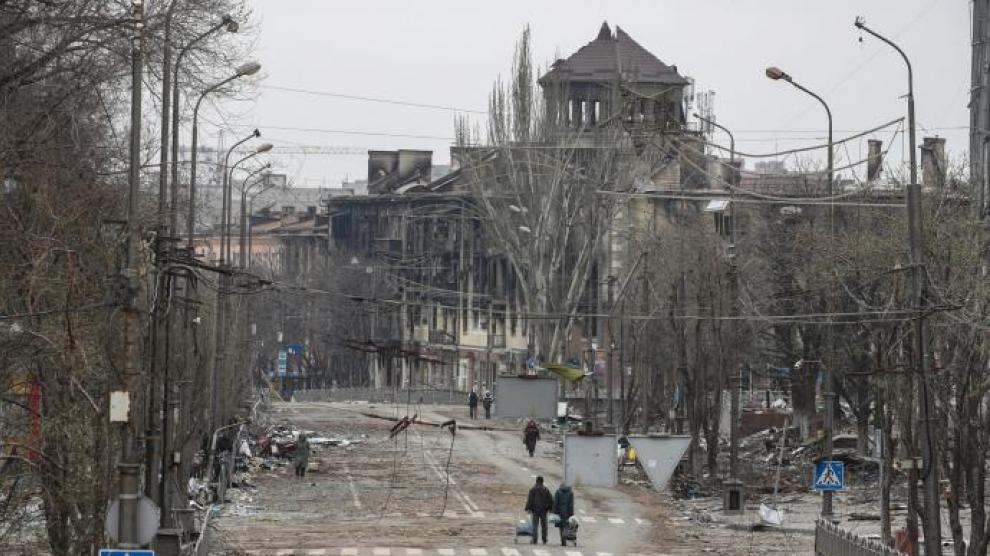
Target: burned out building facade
[{"x": 459, "y": 322}]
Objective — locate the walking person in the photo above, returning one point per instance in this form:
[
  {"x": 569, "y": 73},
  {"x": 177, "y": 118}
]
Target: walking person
[
  {"x": 301, "y": 457},
  {"x": 538, "y": 504},
  {"x": 486, "y": 401},
  {"x": 530, "y": 435},
  {"x": 473, "y": 404},
  {"x": 563, "y": 506}
]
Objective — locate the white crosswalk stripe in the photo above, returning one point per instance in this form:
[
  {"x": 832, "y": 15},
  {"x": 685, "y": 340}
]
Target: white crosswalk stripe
[
  {"x": 445, "y": 551},
  {"x": 478, "y": 552},
  {"x": 317, "y": 552},
  {"x": 285, "y": 552},
  {"x": 590, "y": 519},
  {"x": 572, "y": 553},
  {"x": 381, "y": 551},
  {"x": 540, "y": 552},
  {"x": 414, "y": 552},
  {"x": 510, "y": 552},
  {"x": 641, "y": 521},
  {"x": 348, "y": 552},
  {"x": 604, "y": 554},
  {"x": 616, "y": 520}
]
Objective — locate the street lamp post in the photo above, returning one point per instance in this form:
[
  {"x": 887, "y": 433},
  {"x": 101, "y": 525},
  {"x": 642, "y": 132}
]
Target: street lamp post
[
  {"x": 166, "y": 91},
  {"x": 777, "y": 74},
  {"x": 734, "y": 384},
  {"x": 932, "y": 519},
  {"x": 231, "y": 26},
  {"x": 249, "y": 68},
  {"x": 226, "y": 177},
  {"x": 221, "y": 300},
  {"x": 228, "y": 185},
  {"x": 244, "y": 214},
  {"x": 250, "y": 201}
]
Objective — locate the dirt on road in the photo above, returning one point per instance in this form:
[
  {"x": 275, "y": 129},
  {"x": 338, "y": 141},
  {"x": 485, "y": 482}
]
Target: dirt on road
[{"x": 428, "y": 492}]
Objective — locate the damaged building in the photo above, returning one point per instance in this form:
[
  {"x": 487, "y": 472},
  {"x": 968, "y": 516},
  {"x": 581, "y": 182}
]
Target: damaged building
[{"x": 460, "y": 323}]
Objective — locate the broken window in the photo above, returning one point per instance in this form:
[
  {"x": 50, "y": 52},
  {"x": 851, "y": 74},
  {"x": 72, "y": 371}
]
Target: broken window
[{"x": 719, "y": 210}]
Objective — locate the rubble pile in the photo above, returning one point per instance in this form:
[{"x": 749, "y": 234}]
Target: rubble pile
[{"x": 263, "y": 453}]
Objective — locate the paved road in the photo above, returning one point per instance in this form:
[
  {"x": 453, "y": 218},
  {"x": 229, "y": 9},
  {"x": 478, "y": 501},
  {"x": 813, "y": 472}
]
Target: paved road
[{"x": 384, "y": 497}]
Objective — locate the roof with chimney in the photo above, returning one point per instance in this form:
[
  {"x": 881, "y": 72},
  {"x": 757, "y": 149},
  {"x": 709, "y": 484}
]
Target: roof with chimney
[{"x": 611, "y": 55}]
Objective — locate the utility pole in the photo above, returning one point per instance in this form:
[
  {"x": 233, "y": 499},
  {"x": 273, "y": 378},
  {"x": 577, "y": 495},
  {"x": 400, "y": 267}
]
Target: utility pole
[
  {"x": 489, "y": 382},
  {"x": 158, "y": 410},
  {"x": 733, "y": 363},
  {"x": 645, "y": 382},
  {"x": 129, "y": 467},
  {"x": 916, "y": 237},
  {"x": 609, "y": 376},
  {"x": 979, "y": 106}
]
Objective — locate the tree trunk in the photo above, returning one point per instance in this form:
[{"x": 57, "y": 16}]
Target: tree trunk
[{"x": 863, "y": 432}]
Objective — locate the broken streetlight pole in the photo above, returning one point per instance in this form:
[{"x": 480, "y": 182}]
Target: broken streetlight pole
[{"x": 932, "y": 513}]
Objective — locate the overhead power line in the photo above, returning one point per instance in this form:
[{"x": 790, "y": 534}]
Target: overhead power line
[
  {"x": 373, "y": 99},
  {"x": 357, "y": 132}
]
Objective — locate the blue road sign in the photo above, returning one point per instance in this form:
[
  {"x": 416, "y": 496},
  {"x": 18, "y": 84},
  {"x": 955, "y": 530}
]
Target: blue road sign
[
  {"x": 830, "y": 475},
  {"x": 125, "y": 552}
]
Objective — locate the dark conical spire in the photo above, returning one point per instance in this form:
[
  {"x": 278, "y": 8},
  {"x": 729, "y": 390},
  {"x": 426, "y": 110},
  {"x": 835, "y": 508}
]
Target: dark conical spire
[{"x": 604, "y": 33}]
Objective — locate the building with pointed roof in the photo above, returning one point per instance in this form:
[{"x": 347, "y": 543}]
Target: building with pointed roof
[
  {"x": 614, "y": 79},
  {"x": 461, "y": 322}
]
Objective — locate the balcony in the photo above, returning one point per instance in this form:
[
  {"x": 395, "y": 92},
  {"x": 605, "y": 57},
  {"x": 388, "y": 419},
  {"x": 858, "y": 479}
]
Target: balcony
[{"x": 442, "y": 338}]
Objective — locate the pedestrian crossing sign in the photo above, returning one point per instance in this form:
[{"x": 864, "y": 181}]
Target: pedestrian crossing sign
[{"x": 830, "y": 475}]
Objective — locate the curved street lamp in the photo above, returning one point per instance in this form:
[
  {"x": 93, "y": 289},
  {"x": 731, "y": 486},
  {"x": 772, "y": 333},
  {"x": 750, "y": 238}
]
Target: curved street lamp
[
  {"x": 244, "y": 213},
  {"x": 225, "y": 202},
  {"x": 250, "y": 201},
  {"x": 249, "y": 68},
  {"x": 777, "y": 74},
  {"x": 225, "y": 220},
  {"x": 932, "y": 523},
  {"x": 228, "y": 23}
]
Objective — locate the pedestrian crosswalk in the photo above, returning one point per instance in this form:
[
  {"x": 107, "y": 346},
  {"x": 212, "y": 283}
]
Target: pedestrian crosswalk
[
  {"x": 389, "y": 551},
  {"x": 583, "y": 518}
]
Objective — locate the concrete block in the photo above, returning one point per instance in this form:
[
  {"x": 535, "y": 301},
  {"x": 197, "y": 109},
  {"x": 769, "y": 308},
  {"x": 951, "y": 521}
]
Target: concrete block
[
  {"x": 591, "y": 460},
  {"x": 525, "y": 397},
  {"x": 659, "y": 455}
]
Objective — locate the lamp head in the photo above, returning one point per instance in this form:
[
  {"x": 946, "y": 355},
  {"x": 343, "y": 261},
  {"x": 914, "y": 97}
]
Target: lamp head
[
  {"x": 257, "y": 132},
  {"x": 777, "y": 74},
  {"x": 249, "y": 68},
  {"x": 860, "y": 22},
  {"x": 263, "y": 148}
]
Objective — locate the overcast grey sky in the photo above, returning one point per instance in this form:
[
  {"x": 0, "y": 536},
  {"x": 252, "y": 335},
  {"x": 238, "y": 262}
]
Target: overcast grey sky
[{"x": 448, "y": 52}]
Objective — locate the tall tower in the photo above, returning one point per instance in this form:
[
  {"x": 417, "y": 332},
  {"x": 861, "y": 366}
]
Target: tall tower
[{"x": 613, "y": 80}]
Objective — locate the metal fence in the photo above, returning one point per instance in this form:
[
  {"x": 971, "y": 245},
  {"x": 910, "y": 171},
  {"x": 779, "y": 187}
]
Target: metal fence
[
  {"x": 391, "y": 395},
  {"x": 832, "y": 540}
]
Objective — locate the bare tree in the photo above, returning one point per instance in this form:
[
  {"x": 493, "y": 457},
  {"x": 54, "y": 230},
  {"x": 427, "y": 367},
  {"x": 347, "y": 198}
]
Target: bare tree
[{"x": 541, "y": 188}]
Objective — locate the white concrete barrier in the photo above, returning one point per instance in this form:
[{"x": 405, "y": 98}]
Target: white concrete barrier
[{"x": 659, "y": 455}]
